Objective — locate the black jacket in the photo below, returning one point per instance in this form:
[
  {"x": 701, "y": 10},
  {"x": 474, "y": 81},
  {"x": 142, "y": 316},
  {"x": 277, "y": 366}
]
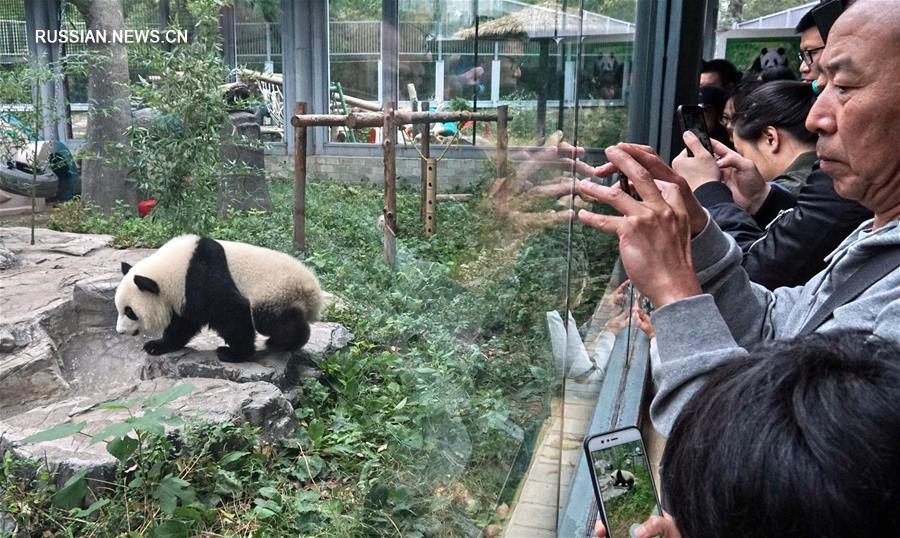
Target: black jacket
[{"x": 786, "y": 241}]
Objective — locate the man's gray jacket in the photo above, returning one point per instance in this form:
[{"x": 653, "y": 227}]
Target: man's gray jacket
[{"x": 695, "y": 335}]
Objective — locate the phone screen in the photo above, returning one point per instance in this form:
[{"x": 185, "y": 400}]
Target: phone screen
[
  {"x": 693, "y": 120},
  {"x": 622, "y": 475}
]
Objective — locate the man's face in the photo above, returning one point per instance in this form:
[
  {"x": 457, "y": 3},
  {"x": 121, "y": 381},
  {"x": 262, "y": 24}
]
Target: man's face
[
  {"x": 810, "y": 40},
  {"x": 711, "y": 78},
  {"x": 857, "y": 116}
]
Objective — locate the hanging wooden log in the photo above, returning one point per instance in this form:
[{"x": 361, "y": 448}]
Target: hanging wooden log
[
  {"x": 504, "y": 185},
  {"x": 454, "y": 197},
  {"x": 361, "y": 103},
  {"x": 299, "y": 180},
  {"x": 430, "y": 197},
  {"x": 425, "y": 145},
  {"x": 389, "y": 144}
]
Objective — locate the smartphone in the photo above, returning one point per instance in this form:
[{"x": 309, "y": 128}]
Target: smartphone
[
  {"x": 693, "y": 119},
  {"x": 623, "y": 483}
]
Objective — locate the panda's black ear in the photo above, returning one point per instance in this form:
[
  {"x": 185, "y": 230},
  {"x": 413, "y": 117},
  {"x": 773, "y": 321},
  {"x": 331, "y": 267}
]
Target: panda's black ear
[
  {"x": 764, "y": 50},
  {"x": 125, "y": 268},
  {"x": 146, "y": 284},
  {"x": 781, "y": 51}
]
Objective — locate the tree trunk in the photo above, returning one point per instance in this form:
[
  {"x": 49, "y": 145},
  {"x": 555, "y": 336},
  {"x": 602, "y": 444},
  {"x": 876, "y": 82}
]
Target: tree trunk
[
  {"x": 105, "y": 157},
  {"x": 736, "y": 10}
]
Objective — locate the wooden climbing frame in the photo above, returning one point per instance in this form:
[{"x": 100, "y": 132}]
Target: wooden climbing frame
[{"x": 390, "y": 119}]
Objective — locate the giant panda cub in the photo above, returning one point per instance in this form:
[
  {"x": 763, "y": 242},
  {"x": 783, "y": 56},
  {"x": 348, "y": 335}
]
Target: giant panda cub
[{"x": 234, "y": 288}]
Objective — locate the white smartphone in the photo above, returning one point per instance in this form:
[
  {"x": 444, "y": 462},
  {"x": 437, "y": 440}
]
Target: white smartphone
[{"x": 623, "y": 483}]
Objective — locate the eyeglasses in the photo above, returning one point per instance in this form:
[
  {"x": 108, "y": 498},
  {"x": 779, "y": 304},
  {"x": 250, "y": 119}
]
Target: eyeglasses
[{"x": 806, "y": 55}]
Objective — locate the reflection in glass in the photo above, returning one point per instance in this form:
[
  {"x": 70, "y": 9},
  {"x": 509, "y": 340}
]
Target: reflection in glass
[{"x": 509, "y": 317}]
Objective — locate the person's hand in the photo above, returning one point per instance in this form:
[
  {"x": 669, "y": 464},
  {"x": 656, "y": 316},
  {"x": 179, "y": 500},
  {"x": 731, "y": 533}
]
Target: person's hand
[
  {"x": 699, "y": 169},
  {"x": 617, "y": 299},
  {"x": 747, "y": 186},
  {"x": 650, "y": 161},
  {"x": 642, "y": 319},
  {"x": 663, "y": 526},
  {"x": 618, "y": 322},
  {"x": 537, "y": 179},
  {"x": 654, "y": 234}
]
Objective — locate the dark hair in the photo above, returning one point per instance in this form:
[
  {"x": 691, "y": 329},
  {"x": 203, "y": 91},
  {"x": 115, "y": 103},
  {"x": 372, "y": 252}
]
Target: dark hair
[
  {"x": 800, "y": 439},
  {"x": 806, "y": 22},
  {"x": 783, "y": 104},
  {"x": 742, "y": 90},
  {"x": 712, "y": 97},
  {"x": 726, "y": 70}
]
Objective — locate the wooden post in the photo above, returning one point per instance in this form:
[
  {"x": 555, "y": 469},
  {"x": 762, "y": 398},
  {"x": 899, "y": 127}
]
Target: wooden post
[
  {"x": 431, "y": 197},
  {"x": 502, "y": 206},
  {"x": 389, "y": 137},
  {"x": 543, "y": 87},
  {"x": 300, "y": 181},
  {"x": 425, "y": 144}
]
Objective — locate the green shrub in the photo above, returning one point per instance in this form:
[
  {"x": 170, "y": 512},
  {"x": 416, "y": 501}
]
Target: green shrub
[{"x": 417, "y": 425}]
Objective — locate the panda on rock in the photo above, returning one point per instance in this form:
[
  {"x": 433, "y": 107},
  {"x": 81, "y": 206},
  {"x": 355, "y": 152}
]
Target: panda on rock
[{"x": 234, "y": 288}]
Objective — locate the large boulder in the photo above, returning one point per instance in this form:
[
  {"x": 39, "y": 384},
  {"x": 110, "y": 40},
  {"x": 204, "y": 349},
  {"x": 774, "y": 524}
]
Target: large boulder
[
  {"x": 60, "y": 355},
  {"x": 243, "y": 185}
]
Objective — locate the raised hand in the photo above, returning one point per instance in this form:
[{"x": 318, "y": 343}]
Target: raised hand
[
  {"x": 747, "y": 186},
  {"x": 654, "y": 234},
  {"x": 699, "y": 169}
]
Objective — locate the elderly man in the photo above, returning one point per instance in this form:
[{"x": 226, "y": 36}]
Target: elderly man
[{"x": 708, "y": 313}]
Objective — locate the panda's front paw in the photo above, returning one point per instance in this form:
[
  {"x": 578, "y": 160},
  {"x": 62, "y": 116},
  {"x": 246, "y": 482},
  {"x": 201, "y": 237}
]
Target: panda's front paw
[
  {"x": 228, "y": 354},
  {"x": 157, "y": 347}
]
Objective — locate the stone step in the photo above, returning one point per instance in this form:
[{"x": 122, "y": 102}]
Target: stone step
[{"x": 258, "y": 403}]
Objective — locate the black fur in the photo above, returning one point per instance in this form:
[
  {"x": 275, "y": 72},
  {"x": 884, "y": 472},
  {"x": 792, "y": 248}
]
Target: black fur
[
  {"x": 210, "y": 298},
  {"x": 286, "y": 328},
  {"x": 623, "y": 482},
  {"x": 176, "y": 336},
  {"x": 146, "y": 284}
]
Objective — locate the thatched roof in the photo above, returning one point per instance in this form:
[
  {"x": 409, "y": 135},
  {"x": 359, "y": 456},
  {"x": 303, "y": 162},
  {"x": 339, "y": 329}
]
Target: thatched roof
[{"x": 545, "y": 21}]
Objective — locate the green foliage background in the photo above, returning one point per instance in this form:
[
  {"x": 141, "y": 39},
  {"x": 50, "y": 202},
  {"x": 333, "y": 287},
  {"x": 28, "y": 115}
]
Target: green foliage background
[{"x": 425, "y": 424}]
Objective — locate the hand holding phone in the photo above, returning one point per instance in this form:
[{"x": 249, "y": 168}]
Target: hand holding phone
[
  {"x": 692, "y": 118},
  {"x": 623, "y": 485}
]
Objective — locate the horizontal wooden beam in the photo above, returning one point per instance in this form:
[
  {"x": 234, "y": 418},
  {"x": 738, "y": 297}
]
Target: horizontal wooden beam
[
  {"x": 359, "y": 103},
  {"x": 357, "y": 120}
]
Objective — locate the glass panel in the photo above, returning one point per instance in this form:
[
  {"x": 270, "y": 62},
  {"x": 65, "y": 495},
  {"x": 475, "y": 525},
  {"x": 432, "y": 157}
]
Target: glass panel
[
  {"x": 596, "y": 43},
  {"x": 354, "y": 59},
  {"x": 519, "y": 308},
  {"x": 257, "y": 36}
]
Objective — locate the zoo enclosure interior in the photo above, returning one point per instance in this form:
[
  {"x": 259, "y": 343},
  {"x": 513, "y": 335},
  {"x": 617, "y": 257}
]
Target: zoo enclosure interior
[{"x": 595, "y": 77}]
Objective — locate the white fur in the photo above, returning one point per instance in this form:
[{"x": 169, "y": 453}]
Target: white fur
[
  {"x": 268, "y": 276},
  {"x": 263, "y": 276}
]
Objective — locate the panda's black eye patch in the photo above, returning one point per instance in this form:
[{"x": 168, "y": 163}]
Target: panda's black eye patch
[{"x": 130, "y": 313}]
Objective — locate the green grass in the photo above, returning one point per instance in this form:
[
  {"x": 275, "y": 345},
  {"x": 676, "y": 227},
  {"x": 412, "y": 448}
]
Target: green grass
[{"x": 424, "y": 424}]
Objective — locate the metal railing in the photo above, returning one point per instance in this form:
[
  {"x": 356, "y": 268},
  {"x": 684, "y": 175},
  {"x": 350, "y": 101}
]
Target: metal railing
[
  {"x": 13, "y": 40},
  {"x": 257, "y": 42}
]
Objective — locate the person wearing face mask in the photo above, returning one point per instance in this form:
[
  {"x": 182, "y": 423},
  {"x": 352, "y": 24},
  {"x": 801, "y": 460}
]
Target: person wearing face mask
[{"x": 770, "y": 195}]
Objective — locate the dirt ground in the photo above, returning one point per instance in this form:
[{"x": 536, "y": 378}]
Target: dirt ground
[{"x": 40, "y": 219}]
